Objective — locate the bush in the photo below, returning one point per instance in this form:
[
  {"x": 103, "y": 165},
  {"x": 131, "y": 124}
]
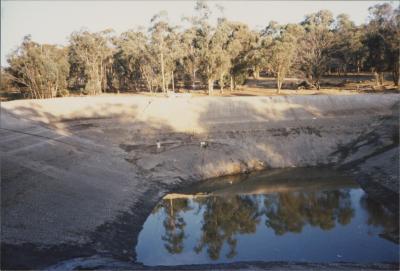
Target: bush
[
  {"x": 83, "y": 91},
  {"x": 38, "y": 69},
  {"x": 63, "y": 93}
]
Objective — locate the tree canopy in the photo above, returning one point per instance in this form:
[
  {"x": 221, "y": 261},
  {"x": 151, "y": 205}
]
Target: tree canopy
[{"x": 202, "y": 54}]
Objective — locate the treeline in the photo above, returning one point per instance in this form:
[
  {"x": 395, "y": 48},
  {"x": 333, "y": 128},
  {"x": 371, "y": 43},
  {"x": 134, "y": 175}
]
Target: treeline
[{"x": 202, "y": 55}]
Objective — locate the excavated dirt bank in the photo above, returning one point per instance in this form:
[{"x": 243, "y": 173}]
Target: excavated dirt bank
[{"x": 80, "y": 175}]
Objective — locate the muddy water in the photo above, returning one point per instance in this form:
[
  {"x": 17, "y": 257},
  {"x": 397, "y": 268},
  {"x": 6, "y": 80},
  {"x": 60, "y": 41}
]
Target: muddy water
[{"x": 310, "y": 216}]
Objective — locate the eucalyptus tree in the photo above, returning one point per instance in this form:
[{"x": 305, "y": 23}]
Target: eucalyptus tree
[
  {"x": 348, "y": 48},
  {"x": 90, "y": 53},
  {"x": 347, "y": 43},
  {"x": 215, "y": 58},
  {"x": 190, "y": 54},
  {"x": 240, "y": 42},
  {"x": 221, "y": 46},
  {"x": 160, "y": 32},
  {"x": 208, "y": 52},
  {"x": 206, "y": 49},
  {"x": 316, "y": 45},
  {"x": 195, "y": 40},
  {"x": 176, "y": 54},
  {"x": 255, "y": 57},
  {"x": 281, "y": 49},
  {"x": 40, "y": 70},
  {"x": 211, "y": 43},
  {"x": 134, "y": 60},
  {"x": 358, "y": 49},
  {"x": 6, "y": 82},
  {"x": 383, "y": 41}
]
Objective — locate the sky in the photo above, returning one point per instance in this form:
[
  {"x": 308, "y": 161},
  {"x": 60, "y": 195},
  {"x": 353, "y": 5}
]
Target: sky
[{"x": 53, "y": 21}]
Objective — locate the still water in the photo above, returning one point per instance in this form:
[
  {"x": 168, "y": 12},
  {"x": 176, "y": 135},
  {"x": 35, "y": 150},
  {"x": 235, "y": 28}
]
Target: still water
[{"x": 269, "y": 217}]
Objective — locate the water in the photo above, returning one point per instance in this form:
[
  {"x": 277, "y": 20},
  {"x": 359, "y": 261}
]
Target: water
[{"x": 269, "y": 217}]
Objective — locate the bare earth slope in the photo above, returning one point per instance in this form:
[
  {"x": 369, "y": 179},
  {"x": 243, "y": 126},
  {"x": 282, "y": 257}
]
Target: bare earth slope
[{"x": 80, "y": 175}]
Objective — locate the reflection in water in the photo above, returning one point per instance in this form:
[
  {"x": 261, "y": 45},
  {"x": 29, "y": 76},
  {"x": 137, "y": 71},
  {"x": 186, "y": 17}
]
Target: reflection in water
[
  {"x": 321, "y": 225},
  {"x": 224, "y": 218},
  {"x": 290, "y": 212},
  {"x": 174, "y": 224},
  {"x": 379, "y": 216}
]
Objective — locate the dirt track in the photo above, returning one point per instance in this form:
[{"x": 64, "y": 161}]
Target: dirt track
[{"x": 80, "y": 175}]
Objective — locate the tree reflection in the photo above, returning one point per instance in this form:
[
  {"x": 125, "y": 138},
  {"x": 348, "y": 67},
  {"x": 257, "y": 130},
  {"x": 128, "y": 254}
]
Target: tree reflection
[
  {"x": 223, "y": 218},
  {"x": 174, "y": 224},
  {"x": 379, "y": 216},
  {"x": 291, "y": 211},
  {"x": 226, "y": 217}
]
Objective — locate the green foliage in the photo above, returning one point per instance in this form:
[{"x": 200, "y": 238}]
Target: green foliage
[
  {"x": 281, "y": 46},
  {"x": 241, "y": 44},
  {"x": 348, "y": 48},
  {"x": 63, "y": 93},
  {"x": 202, "y": 53},
  {"x": 38, "y": 70},
  {"x": 7, "y": 89},
  {"x": 164, "y": 44},
  {"x": 90, "y": 56},
  {"x": 133, "y": 61},
  {"x": 211, "y": 45},
  {"x": 382, "y": 40},
  {"x": 315, "y": 47}
]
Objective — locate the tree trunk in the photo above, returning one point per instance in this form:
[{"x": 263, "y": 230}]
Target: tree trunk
[
  {"x": 101, "y": 76},
  {"x": 56, "y": 86},
  {"x": 221, "y": 82},
  {"x": 231, "y": 85},
  {"x": 376, "y": 78},
  {"x": 317, "y": 84},
  {"x": 162, "y": 73},
  {"x": 381, "y": 74},
  {"x": 95, "y": 80},
  {"x": 172, "y": 207},
  {"x": 396, "y": 73},
  {"x": 194, "y": 79},
  {"x": 278, "y": 83},
  {"x": 210, "y": 86},
  {"x": 256, "y": 73},
  {"x": 173, "y": 83}
]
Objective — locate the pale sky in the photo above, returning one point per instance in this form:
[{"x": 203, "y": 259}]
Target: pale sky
[{"x": 53, "y": 21}]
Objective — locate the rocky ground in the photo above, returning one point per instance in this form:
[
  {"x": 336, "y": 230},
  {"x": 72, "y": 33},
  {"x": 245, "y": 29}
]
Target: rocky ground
[{"x": 80, "y": 175}]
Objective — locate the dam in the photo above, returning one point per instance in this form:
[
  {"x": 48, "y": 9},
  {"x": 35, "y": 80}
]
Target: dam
[{"x": 81, "y": 175}]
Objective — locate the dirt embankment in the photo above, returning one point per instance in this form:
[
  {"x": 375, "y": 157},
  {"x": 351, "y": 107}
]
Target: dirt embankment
[{"x": 82, "y": 174}]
